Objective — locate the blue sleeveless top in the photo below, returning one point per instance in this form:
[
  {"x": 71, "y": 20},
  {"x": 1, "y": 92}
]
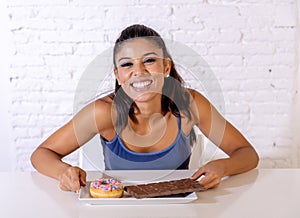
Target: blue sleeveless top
[{"x": 118, "y": 157}]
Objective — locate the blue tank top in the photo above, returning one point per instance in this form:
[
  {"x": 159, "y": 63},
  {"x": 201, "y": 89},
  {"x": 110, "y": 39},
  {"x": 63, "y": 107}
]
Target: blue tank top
[{"x": 118, "y": 157}]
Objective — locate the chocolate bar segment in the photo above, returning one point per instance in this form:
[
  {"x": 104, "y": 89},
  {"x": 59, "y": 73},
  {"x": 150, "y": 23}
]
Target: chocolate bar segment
[{"x": 167, "y": 188}]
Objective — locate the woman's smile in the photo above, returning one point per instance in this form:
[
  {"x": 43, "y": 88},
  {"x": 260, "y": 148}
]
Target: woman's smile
[{"x": 141, "y": 85}]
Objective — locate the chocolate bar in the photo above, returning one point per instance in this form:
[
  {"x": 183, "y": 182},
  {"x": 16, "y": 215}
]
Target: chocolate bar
[{"x": 167, "y": 188}]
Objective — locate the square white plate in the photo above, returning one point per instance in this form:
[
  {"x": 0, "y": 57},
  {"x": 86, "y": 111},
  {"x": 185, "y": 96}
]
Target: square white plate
[
  {"x": 135, "y": 177},
  {"x": 84, "y": 196}
]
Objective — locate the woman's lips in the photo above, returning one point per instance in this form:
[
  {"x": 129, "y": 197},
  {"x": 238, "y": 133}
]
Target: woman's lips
[{"x": 141, "y": 84}]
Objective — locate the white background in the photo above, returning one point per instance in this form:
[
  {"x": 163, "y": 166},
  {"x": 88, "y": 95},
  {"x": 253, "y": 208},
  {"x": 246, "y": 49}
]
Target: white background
[
  {"x": 6, "y": 156},
  {"x": 251, "y": 45}
]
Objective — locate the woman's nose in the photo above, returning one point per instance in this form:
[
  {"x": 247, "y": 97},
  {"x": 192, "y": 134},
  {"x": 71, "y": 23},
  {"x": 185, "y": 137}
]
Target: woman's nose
[{"x": 138, "y": 68}]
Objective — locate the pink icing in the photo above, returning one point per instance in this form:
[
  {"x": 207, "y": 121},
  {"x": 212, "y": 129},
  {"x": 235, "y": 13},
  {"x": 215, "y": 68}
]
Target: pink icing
[{"x": 107, "y": 184}]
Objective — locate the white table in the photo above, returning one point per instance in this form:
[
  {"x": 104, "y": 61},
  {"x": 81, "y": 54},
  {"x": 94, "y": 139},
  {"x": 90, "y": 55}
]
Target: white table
[{"x": 258, "y": 193}]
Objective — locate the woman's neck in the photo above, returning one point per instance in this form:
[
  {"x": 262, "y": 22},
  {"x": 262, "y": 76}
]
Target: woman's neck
[{"x": 146, "y": 109}]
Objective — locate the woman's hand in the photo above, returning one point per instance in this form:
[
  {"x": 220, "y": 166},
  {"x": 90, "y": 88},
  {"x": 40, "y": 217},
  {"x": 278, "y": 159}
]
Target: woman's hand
[
  {"x": 212, "y": 172},
  {"x": 72, "y": 179}
]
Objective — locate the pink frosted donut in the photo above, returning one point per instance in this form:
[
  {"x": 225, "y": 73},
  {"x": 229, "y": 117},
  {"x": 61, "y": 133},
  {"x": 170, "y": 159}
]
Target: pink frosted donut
[{"x": 106, "y": 188}]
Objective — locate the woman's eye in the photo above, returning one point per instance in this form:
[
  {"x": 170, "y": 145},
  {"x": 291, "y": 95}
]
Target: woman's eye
[
  {"x": 149, "y": 60},
  {"x": 127, "y": 64}
]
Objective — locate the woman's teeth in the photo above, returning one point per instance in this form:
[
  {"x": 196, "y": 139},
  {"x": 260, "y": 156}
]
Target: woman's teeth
[{"x": 141, "y": 84}]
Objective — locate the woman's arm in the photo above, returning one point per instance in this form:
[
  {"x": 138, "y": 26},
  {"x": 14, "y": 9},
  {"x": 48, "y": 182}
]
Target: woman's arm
[
  {"x": 47, "y": 158},
  {"x": 242, "y": 156}
]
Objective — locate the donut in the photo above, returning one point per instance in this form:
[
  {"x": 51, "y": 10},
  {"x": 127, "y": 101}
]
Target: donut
[{"x": 106, "y": 188}]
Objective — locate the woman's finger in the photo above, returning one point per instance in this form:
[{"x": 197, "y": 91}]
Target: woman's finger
[
  {"x": 82, "y": 177},
  {"x": 63, "y": 187},
  {"x": 74, "y": 179},
  {"x": 198, "y": 173},
  {"x": 210, "y": 180},
  {"x": 212, "y": 184}
]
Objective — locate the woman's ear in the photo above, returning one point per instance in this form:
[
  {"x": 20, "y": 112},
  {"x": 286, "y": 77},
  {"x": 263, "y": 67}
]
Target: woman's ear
[{"x": 167, "y": 64}]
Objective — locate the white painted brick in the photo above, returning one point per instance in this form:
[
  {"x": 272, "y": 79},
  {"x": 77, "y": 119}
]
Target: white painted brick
[
  {"x": 226, "y": 21},
  {"x": 257, "y": 10},
  {"x": 36, "y": 24},
  {"x": 27, "y": 132},
  {"x": 36, "y": 2},
  {"x": 60, "y": 85},
  {"x": 73, "y": 12},
  {"x": 20, "y": 60},
  {"x": 250, "y": 46},
  {"x": 227, "y": 85},
  {"x": 285, "y": 15},
  {"x": 26, "y": 85},
  {"x": 23, "y": 37},
  {"x": 91, "y": 24},
  {"x": 257, "y": 84},
  {"x": 222, "y": 36},
  {"x": 270, "y": 120},
  {"x": 19, "y": 119},
  {"x": 42, "y": 97},
  {"x": 257, "y": 35},
  {"x": 71, "y": 36},
  {"x": 259, "y": 22},
  {"x": 223, "y": 1},
  {"x": 286, "y": 47},
  {"x": 276, "y": 96},
  {"x": 106, "y": 3},
  {"x": 266, "y": 71},
  {"x": 255, "y": 48},
  {"x": 283, "y": 33},
  {"x": 23, "y": 108},
  {"x": 57, "y": 108},
  {"x": 240, "y": 121},
  {"x": 22, "y": 13},
  {"x": 172, "y": 2},
  {"x": 237, "y": 72},
  {"x": 238, "y": 108},
  {"x": 67, "y": 60},
  {"x": 271, "y": 60},
  {"x": 224, "y": 60},
  {"x": 49, "y": 123},
  {"x": 91, "y": 49},
  {"x": 162, "y": 11},
  {"x": 39, "y": 48},
  {"x": 225, "y": 49},
  {"x": 194, "y": 22},
  {"x": 204, "y": 11},
  {"x": 199, "y": 48}
]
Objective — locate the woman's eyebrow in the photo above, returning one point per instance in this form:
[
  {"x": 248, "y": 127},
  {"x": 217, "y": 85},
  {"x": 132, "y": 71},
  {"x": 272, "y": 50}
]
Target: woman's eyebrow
[
  {"x": 123, "y": 58},
  {"x": 150, "y": 53}
]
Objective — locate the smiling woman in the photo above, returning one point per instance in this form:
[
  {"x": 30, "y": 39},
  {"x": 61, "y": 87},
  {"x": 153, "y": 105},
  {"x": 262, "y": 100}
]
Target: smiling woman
[{"x": 147, "y": 122}]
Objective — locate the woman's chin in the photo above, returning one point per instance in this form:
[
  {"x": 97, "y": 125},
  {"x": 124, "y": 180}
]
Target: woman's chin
[{"x": 144, "y": 97}]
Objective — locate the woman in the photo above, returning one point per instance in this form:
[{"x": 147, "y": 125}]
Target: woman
[{"x": 147, "y": 123}]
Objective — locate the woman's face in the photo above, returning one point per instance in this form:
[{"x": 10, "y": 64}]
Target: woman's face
[{"x": 140, "y": 69}]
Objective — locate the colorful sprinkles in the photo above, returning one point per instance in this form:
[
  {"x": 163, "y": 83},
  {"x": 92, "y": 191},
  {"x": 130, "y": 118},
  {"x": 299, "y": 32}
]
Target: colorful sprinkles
[{"x": 107, "y": 184}]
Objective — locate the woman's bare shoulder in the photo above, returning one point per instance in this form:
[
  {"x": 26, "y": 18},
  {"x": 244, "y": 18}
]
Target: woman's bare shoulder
[
  {"x": 97, "y": 111},
  {"x": 200, "y": 105},
  {"x": 103, "y": 106},
  {"x": 198, "y": 98},
  {"x": 105, "y": 101},
  {"x": 104, "y": 112}
]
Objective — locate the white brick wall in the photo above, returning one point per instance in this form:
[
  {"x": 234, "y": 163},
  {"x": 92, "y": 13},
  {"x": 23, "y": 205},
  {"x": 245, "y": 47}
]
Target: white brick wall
[{"x": 251, "y": 46}]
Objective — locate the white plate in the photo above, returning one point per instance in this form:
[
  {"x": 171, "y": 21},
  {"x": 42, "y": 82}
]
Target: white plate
[
  {"x": 84, "y": 196},
  {"x": 134, "y": 177}
]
